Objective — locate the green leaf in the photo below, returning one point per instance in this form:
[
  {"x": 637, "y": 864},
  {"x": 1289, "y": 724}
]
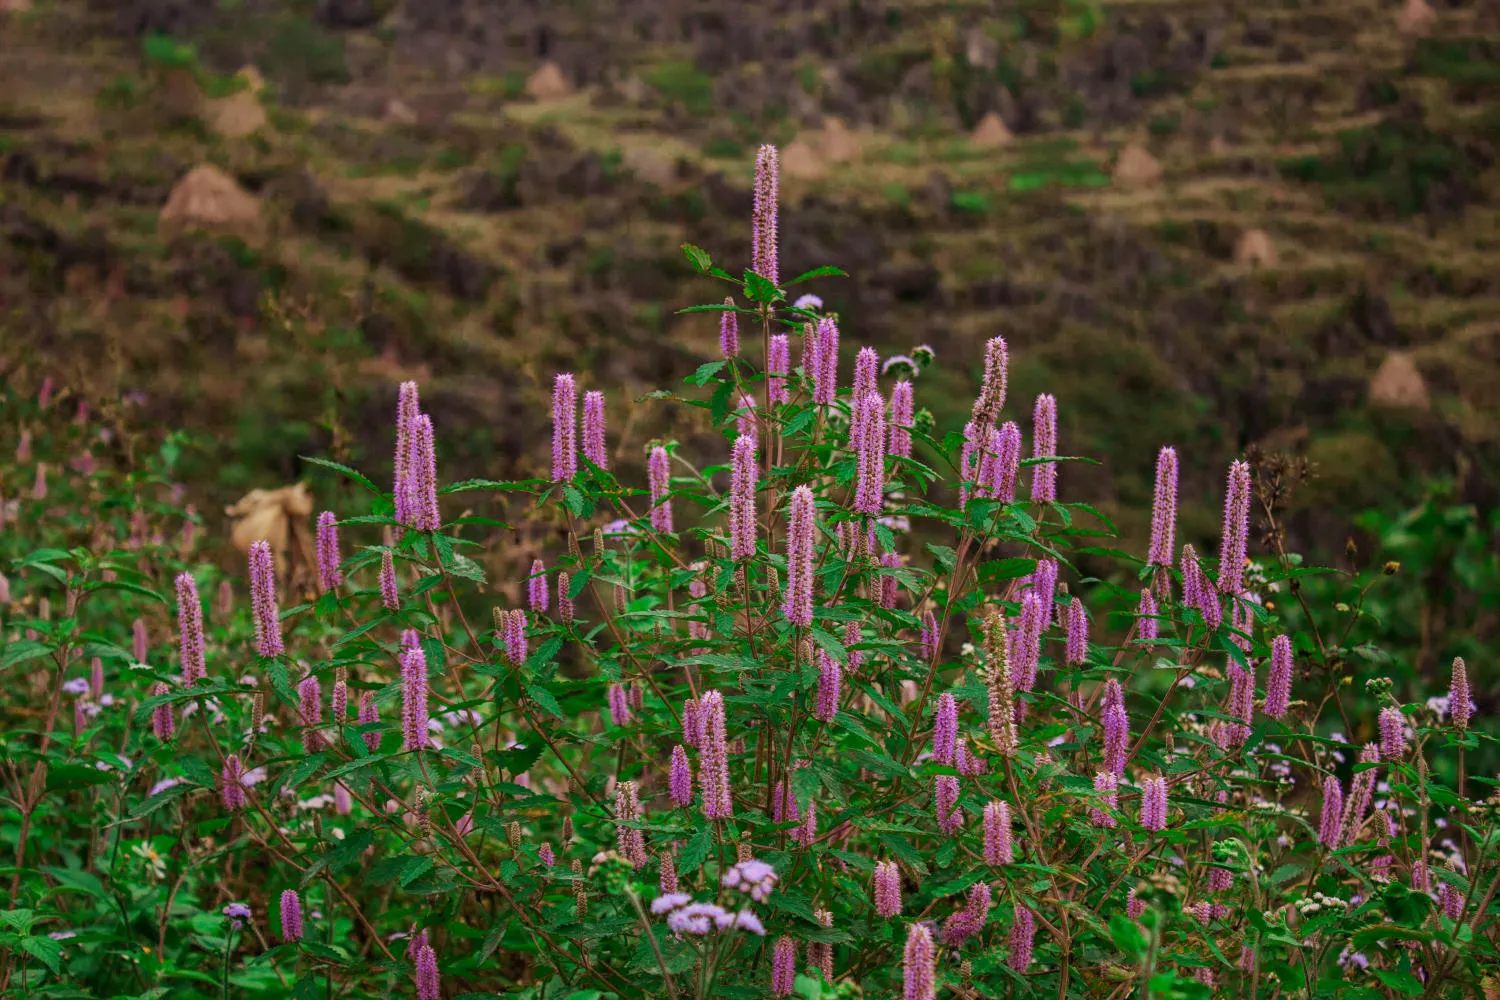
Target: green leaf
[
  {"x": 1127, "y": 936},
  {"x": 78, "y": 881},
  {"x": 575, "y": 501},
  {"x": 518, "y": 760},
  {"x": 545, "y": 699},
  {"x": 129, "y": 588},
  {"x": 414, "y": 869},
  {"x": 45, "y": 950},
  {"x": 1369, "y": 937},
  {"x": 18, "y": 920},
  {"x": 698, "y": 257},
  {"x": 829, "y": 644},
  {"x": 159, "y": 801},
  {"x": 827, "y": 270},
  {"x": 758, "y": 289},
  {"x": 345, "y": 471},
  {"x": 22, "y": 651},
  {"x": 705, "y": 373},
  {"x": 345, "y": 852},
  {"x": 695, "y": 850},
  {"x": 1401, "y": 982}
]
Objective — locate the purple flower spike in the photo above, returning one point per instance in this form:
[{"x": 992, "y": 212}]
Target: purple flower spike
[
  {"x": 1232, "y": 546},
  {"x": 390, "y": 599},
  {"x": 1147, "y": 626},
  {"x": 778, "y": 366},
  {"x": 619, "y": 705},
  {"x": 593, "y": 429},
  {"x": 631, "y": 841},
  {"x": 945, "y": 730},
  {"x": 692, "y": 723},
  {"x": 162, "y": 723},
  {"x": 414, "y": 699},
  {"x": 263, "y": 600},
  {"x": 659, "y": 479},
  {"x": 866, "y": 371},
  {"x": 991, "y": 399},
  {"x": 919, "y": 965},
  {"x": 763, "y": 242},
  {"x": 729, "y": 330},
  {"x": 291, "y": 916},
  {"x": 369, "y": 715},
  {"x": 564, "y": 428},
  {"x": 1279, "y": 682},
  {"x": 829, "y": 679},
  {"x": 999, "y": 845},
  {"x": 929, "y": 636},
  {"x": 902, "y": 408},
  {"x": 339, "y": 701},
  {"x": 1154, "y": 803},
  {"x": 742, "y": 514},
  {"x": 1460, "y": 702},
  {"x": 667, "y": 880},
  {"x": 1028, "y": 641},
  {"x": 1078, "y": 634},
  {"x": 1107, "y": 785},
  {"x": 564, "y": 602},
  {"x": 1044, "y": 445},
  {"x": 407, "y": 408},
  {"x": 429, "y": 986},
  {"x": 1333, "y": 812},
  {"x": 784, "y": 967},
  {"x": 329, "y": 575},
  {"x": 890, "y": 587},
  {"x": 680, "y": 782},
  {"x": 825, "y": 377},
  {"x": 1164, "y": 510},
  {"x": 797, "y": 601},
  {"x": 1022, "y": 937},
  {"x": 713, "y": 760},
  {"x": 1116, "y": 729},
  {"x": 852, "y": 638},
  {"x": 189, "y": 632},
  {"x": 423, "y": 477},
  {"x": 536, "y": 587},
  {"x": 1392, "y": 733},
  {"x": 886, "y": 889},
  {"x": 233, "y": 783},
  {"x": 310, "y": 712},
  {"x": 945, "y": 790}
]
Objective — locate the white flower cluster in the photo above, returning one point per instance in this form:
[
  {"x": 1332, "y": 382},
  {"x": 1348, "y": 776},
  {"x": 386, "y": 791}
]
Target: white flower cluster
[{"x": 1318, "y": 902}]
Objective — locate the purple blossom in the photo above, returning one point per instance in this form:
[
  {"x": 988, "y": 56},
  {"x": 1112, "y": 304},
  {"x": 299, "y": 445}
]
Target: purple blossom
[
  {"x": 866, "y": 369},
  {"x": 1147, "y": 627},
  {"x": 162, "y": 723},
  {"x": 513, "y": 638},
  {"x": 999, "y": 844},
  {"x": 784, "y": 804},
  {"x": 692, "y": 723},
  {"x": 729, "y": 330},
  {"x": 784, "y": 967},
  {"x": 991, "y": 399},
  {"x": 807, "y": 833},
  {"x": 1392, "y": 733},
  {"x": 1164, "y": 510},
  {"x": 189, "y": 631},
  {"x": 826, "y": 362},
  {"x": 852, "y": 638},
  {"x": 1279, "y": 681},
  {"x": 1135, "y": 907},
  {"x": 429, "y": 986},
  {"x": 680, "y": 781},
  {"x": 778, "y": 365},
  {"x": 233, "y": 787},
  {"x": 263, "y": 599},
  {"x": 970, "y": 920},
  {"x": 1028, "y": 641},
  {"x": 594, "y": 448},
  {"x": 564, "y": 428},
  {"x": 329, "y": 575},
  {"x": 870, "y": 466},
  {"x": 890, "y": 587},
  {"x": 291, "y": 916},
  {"x": 630, "y": 841},
  {"x": 659, "y": 480},
  {"x": 945, "y": 730},
  {"x": 1232, "y": 545},
  {"x": 1022, "y": 936},
  {"x": 885, "y": 889},
  {"x": 414, "y": 717},
  {"x": 1330, "y": 829},
  {"x": 1116, "y": 728},
  {"x": 945, "y": 790},
  {"x": 929, "y": 636},
  {"x": 756, "y": 879},
  {"x": 1154, "y": 803},
  {"x": 1198, "y": 591},
  {"x": 829, "y": 680},
  {"x": 564, "y": 587},
  {"x": 713, "y": 762},
  {"x": 1044, "y": 445},
  {"x": 763, "y": 252},
  {"x": 1044, "y": 585},
  {"x": 369, "y": 715},
  {"x": 797, "y": 602},
  {"x": 422, "y": 477},
  {"x": 310, "y": 712},
  {"x": 1078, "y": 634},
  {"x": 545, "y": 856},
  {"x": 389, "y": 598},
  {"x": 536, "y": 587},
  {"x": 407, "y": 409},
  {"x": 1459, "y": 700},
  {"x": 902, "y": 408},
  {"x": 1107, "y": 785},
  {"x": 919, "y": 965},
  {"x": 619, "y": 705},
  {"x": 1361, "y": 791},
  {"x": 742, "y": 514}
]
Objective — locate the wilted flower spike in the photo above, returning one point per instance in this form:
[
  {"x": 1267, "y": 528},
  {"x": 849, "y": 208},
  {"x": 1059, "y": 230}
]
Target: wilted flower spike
[
  {"x": 1044, "y": 445},
  {"x": 886, "y": 889},
  {"x": 919, "y": 965},
  {"x": 536, "y": 587},
  {"x": 189, "y": 630},
  {"x": 263, "y": 599},
  {"x": 564, "y": 428},
  {"x": 291, "y": 916},
  {"x": 999, "y": 846},
  {"x": 1232, "y": 546},
  {"x": 742, "y": 514},
  {"x": 763, "y": 259},
  {"x": 594, "y": 448},
  {"x": 659, "y": 479},
  {"x": 800, "y": 540},
  {"x": 1164, "y": 510},
  {"x": 778, "y": 365},
  {"x": 329, "y": 575}
]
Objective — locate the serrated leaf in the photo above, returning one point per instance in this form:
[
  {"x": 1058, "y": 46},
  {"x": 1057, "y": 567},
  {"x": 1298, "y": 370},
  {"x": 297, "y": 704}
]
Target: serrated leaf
[
  {"x": 827, "y": 270},
  {"x": 698, "y": 257},
  {"x": 690, "y": 858},
  {"x": 414, "y": 869},
  {"x": 343, "y": 470},
  {"x": 545, "y": 699},
  {"x": 45, "y": 950}
]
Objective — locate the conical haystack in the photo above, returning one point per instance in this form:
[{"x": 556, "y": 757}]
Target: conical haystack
[
  {"x": 991, "y": 132},
  {"x": 1254, "y": 248},
  {"x": 836, "y": 143},
  {"x": 1136, "y": 167},
  {"x": 251, "y": 78},
  {"x": 801, "y": 161},
  {"x": 1399, "y": 385},
  {"x": 548, "y": 83},
  {"x": 207, "y": 198},
  {"x": 237, "y": 115}
]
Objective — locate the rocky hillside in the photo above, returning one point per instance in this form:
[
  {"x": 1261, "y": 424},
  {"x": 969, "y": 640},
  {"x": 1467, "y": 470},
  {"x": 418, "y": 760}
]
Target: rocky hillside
[{"x": 1206, "y": 223}]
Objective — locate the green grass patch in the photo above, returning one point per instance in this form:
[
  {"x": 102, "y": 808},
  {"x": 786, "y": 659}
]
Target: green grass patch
[
  {"x": 681, "y": 81},
  {"x": 1462, "y": 61},
  {"x": 1064, "y": 173}
]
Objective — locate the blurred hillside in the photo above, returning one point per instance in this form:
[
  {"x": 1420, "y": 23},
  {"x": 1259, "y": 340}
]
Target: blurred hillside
[{"x": 1202, "y": 223}]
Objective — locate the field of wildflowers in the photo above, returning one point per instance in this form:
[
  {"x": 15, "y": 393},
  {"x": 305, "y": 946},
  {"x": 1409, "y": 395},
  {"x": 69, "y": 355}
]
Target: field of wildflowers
[{"x": 829, "y": 713}]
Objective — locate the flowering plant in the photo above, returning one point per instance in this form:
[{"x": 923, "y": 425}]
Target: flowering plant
[{"x": 840, "y": 710}]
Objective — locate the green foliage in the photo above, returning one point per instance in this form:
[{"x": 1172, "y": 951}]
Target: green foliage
[
  {"x": 1389, "y": 169},
  {"x": 681, "y": 81},
  {"x": 298, "y": 50}
]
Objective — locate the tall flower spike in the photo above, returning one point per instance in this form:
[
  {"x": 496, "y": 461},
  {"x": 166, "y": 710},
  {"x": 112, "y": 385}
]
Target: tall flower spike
[
  {"x": 1459, "y": 701},
  {"x": 885, "y": 889},
  {"x": 784, "y": 967},
  {"x": 1392, "y": 733},
  {"x": 778, "y": 366},
  {"x": 329, "y": 574},
  {"x": 866, "y": 371},
  {"x": 423, "y": 482},
  {"x": 368, "y": 716},
  {"x": 729, "y": 330},
  {"x": 189, "y": 631},
  {"x": 390, "y": 598},
  {"x": 514, "y": 636},
  {"x": 929, "y": 636},
  {"x": 713, "y": 761},
  {"x": 869, "y": 486},
  {"x": 1279, "y": 681},
  {"x": 233, "y": 783},
  {"x": 1028, "y": 641},
  {"x": 1361, "y": 790},
  {"x": 1001, "y": 483},
  {"x": 1107, "y": 785},
  {"x": 536, "y": 587},
  {"x": 1044, "y": 445},
  {"x": 999, "y": 846},
  {"x": 1333, "y": 813},
  {"x": 742, "y": 514},
  {"x": 903, "y": 406},
  {"x": 659, "y": 479},
  {"x": 919, "y": 965},
  {"x": 797, "y": 601},
  {"x": 1116, "y": 730},
  {"x": 619, "y": 705},
  {"x": 564, "y": 602},
  {"x": 667, "y": 880},
  {"x": 945, "y": 730},
  {"x": 263, "y": 599},
  {"x": 945, "y": 790},
  {"x": 829, "y": 680},
  {"x": 1002, "y": 698},
  {"x": 680, "y": 781},
  {"x": 764, "y": 240},
  {"x": 291, "y": 916},
  {"x": 1154, "y": 803},
  {"x": 429, "y": 986},
  {"x": 407, "y": 408},
  {"x": 825, "y": 378},
  {"x": 1147, "y": 626},
  {"x": 1022, "y": 937},
  {"x": 162, "y": 722},
  {"x": 564, "y": 428},
  {"x": 991, "y": 399},
  {"x": 1233, "y": 544},
  {"x": 692, "y": 723},
  {"x": 339, "y": 701},
  {"x": 1078, "y": 634},
  {"x": 1164, "y": 510},
  {"x": 310, "y": 712},
  {"x": 414, "y": 699},
  {"x": 890, "y": 587},
  {"x": 594, "y": 448},
  {"x": 852, "y": 638},
  {"x": 1044, "y": 584}
]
